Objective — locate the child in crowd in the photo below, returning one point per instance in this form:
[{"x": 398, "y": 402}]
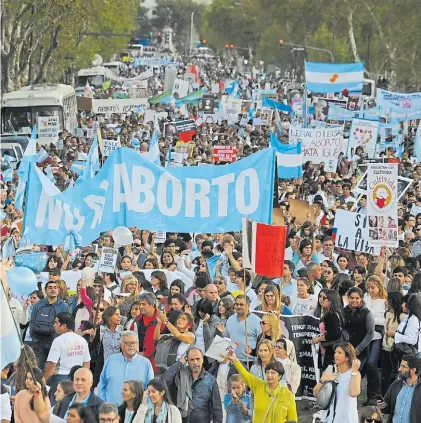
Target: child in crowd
[{"x": 237, "y": 404}]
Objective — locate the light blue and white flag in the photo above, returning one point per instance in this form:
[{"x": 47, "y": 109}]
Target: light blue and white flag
[
  {"x": 417, "y": 143},
  {"x": 153, "y": 153},
  {"x": 252, "y": 109},
  {"x": 9, "y": 336},
  {"x": 276, "y": 105},
  {"x": 49, "y": 174},
  {"x": 233, "y": 90},
  {"x": 8, "y": 175},
  {"x": 78, "y": 166},
  {"x": 29, "y": 156},
  {"x": 42, "y": 155},
  {"x": 211, "y": 264},
  {"x": 92, "y": 163},
  {"x": 334, "y": 77},
  {"x": 9, "y": 159},
  {"x": 130, "y": 190},
  {"x": 288, "y": 157}
]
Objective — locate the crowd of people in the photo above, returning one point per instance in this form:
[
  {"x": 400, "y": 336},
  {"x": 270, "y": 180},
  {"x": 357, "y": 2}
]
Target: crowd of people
[{"x": 130, "y": 346}]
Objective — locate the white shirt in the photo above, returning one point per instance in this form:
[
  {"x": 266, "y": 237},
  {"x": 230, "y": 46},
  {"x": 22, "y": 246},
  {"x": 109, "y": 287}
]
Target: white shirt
[
  {"x": 5, "y": 407},
  {"x": 378, "y": 309},
  {"x": 68, "y": 350},
  {"x": 19, "y": 314},
  {"x": 200, "y": 338},
  {"x": 307, "y": 306}
]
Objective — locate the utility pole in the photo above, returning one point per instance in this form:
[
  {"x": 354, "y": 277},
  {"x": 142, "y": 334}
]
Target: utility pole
[{"x": 191, "y": 32}]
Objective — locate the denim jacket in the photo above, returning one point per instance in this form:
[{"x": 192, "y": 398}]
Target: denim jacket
[{"x": 234, "y": 413}]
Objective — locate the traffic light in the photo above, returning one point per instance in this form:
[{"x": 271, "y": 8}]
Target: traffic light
[
  {"x": 202, "y": 41},
  {"x": 281, "y": 43},
  {"x": 159, "y": 37},
  {"x": 229, "y": 46}
]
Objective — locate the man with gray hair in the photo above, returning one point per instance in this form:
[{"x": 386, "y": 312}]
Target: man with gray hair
[
  {"x": 314, "y": 274},
  {"x": 146, "y": 323},
  {"x": 108, "y": 413},
  {"x": 122, "y": 367}
]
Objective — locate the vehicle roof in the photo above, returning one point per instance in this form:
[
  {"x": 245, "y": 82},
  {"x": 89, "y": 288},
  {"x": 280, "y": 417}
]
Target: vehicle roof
[{"x": 44, "y": 93}]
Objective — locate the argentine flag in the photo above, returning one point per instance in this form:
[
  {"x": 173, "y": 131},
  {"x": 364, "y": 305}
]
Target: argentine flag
[
  {"x": 153, "y": 153},
  {"x": 42, "y": 155},
  {"x": 9, "y": 337},
  {"x": 288, "y": 157},
  {"x": 334, "y": 77},
  {"x": 92, "y": 164}
]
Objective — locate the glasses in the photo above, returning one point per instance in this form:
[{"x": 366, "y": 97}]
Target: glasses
[
  {"x": 101, "y": 309},
  {"x": 130, "y": 344},
  {"x": 136, "y": 245},
  {"x": 263, "y": 323},
  {"x": 101, "y": 420},
  {"x": 371, "y": 420},
  {"x": 279, "y": 347},
  {"x": 219, "y": 283}
]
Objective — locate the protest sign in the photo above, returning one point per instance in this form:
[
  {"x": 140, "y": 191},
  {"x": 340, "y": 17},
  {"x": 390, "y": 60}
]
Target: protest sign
[
  {"x": 382, "y": 204},
  {"x": 180, "y": 88},
  {"x": 119, "y": 106},
  {"x": 363, "y": 134},
  {"x": 170, "y": 75},
  {"x": 301, "y": 210},
  {"x": 319, "y": 145},
  {"x": 110, "y": 146},
  {"x": 219, "y": 348},
  {"x": 224, "y": 153},
  {"x": 160, "y": 237},
  {"x": 407, "y": 101},
  {"x": 108, "y": 259},
  {"x": 264, "y": 248},
  {"x": 207, "y": 104},
  {"x": 323, "y": 105},
  {"x": 301, "y": 330},
  {"x": 350, "y": 232},
  {"x": 130, "y": 190},
  {"x": 48, "y": 129}
]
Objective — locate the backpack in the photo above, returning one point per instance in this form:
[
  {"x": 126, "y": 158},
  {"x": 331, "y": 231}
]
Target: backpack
[
  {"x": 166, "y": 352},
  {"x": 42, "y": 323}
]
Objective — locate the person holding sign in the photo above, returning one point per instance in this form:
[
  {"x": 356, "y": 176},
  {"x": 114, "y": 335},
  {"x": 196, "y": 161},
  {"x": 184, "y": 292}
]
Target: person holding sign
[{"x": 273, "y": 402}]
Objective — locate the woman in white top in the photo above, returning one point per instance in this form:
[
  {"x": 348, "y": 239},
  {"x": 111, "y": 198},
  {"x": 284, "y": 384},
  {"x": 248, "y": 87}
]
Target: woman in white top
[
  {"x": 376, "y": 301},
  {"x": 306, "y": 302},
  {"x": 160, "y": 409},
  {"x": 181, "y": 330},
  {"x": 343, "y": 408}
]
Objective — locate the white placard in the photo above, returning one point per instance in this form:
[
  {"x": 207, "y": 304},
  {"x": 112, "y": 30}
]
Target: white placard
[
  {"x": 119, "y": 106},
  {"x": 160, "y": 237},
  {"x": 320, "y": 145},
  {"x": 219, "y": 348},
  {"x": 351, "y": 232},
  {"x": 110, "y": 146},
  {"x": 382, "y": 204},
  {"x": 363, "y": 134},
  {"x": 108, "y": 259},
  {"x": 180, "y": 87},
  {"x": 48, "y": 129}
]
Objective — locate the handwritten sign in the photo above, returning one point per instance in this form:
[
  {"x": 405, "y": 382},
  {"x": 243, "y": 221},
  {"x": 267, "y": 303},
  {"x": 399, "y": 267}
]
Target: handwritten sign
[
  {"x": 108, "y": 260},
  {"x": 110, "y": 146}
]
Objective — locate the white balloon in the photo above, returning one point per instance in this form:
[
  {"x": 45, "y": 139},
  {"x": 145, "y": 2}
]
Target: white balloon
[{"x": 122, "y": 235}]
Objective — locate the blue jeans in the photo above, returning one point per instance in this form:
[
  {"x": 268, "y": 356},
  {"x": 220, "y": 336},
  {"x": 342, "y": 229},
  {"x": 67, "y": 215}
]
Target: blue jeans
[{"x": 373, "y": 379}]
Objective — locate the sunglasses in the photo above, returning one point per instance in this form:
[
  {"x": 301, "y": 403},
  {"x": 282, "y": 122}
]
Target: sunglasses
[
  {"x": 263, "y": 323},
  {"x": 101, "y": 309},
  {"x": 371, "y": 420},
  {"x": 136, "y": 245},
  {"x": 219, "y": 283}
]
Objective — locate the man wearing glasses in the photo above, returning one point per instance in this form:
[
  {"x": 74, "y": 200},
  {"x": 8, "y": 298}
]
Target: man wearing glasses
[
  {"x": 108, "y": 413},
  {"x": 122, "y": 367}
]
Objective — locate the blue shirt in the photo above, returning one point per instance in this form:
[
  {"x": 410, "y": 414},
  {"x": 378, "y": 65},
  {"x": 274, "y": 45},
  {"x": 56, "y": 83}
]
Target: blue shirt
[
  {"x": 235, "y": 330},
  {"x": 84, "y": 402},
  {"x": 117, "y": 370},
  {"x": 403, "y": 404}
]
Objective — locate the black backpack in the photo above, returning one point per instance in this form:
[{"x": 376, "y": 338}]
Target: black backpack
[
  {"x": 43, "y": 322},
  {"x": 166, "y": 352}
]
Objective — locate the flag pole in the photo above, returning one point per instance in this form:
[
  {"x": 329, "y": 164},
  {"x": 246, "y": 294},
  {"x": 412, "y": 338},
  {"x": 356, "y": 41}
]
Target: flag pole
[
  {"x": 29, "y": 368},
  {"x": 245, "y": 320},
  {"x": 305, "y": 107}
]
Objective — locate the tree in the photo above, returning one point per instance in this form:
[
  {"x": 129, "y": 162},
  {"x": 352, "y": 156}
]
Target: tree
[{"x": 40, "y": 37}]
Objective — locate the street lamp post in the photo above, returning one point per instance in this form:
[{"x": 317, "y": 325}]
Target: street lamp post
[
  {"x": 191, "y": 32},
  {"x": 302, "y": 47}
]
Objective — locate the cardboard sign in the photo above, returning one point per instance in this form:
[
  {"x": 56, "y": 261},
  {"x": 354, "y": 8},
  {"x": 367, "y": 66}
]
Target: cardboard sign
[
  {"x": 108, "y": 260},
  {"x": 350, "y": 232},
  {"x": 382, "y": 204},
  {"x": 48, "y": 129},
  {"x": 110, "y": 146},
  {"x": 302, "y": 211},
  {"x": 224, "y": 153},
  {"x": 264, "y": 248}
]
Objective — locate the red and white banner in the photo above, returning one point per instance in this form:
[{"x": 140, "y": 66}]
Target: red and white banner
[
  {"x": 264, "y": 248},
  {"x": 224, "y": 153}
]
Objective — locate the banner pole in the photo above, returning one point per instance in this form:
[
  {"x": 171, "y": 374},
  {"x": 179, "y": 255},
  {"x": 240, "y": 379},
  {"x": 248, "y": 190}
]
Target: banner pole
[
  {"x": 245, "y": 320},
  {"x": 305, "y": 107}
]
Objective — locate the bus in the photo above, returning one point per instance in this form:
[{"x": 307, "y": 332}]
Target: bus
[
  {"x": 96, "y": 76},
  {"x": 21, "y": 109}
]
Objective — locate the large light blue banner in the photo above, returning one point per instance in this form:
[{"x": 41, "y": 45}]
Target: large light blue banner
[
  {"x": 406, "y": 101},
  {"x": 130, "y": 190}
]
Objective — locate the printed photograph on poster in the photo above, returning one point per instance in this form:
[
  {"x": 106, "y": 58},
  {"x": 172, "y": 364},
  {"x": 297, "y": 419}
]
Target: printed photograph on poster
[
  {"x": 382, "y": 204},
  {"x": 363, "y": 134}
]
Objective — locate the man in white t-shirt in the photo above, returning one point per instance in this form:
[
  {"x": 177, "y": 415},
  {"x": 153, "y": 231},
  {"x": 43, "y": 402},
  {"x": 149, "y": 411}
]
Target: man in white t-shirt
[{"x": 67, "y": 350}]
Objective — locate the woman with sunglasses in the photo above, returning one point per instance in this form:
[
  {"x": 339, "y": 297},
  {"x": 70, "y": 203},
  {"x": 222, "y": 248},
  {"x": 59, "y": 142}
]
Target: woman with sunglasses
[
  {"x": 370, "y": 414},
  {"x": 333, "y": 324},
  {"x": 330, "y": 271}
]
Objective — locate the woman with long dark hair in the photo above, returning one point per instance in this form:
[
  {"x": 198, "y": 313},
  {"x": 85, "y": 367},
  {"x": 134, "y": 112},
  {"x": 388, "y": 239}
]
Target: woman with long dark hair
[
  {"x": 333, "y": 322},
  {"x": 393, "y": 317},
  {"x": 330, "y": 271},
  {"x": 159, "y": 284},
  {"x": 160, "y": 408},
  {"x": 24, "y": 404},
  {"x": 132, "y": 394}
]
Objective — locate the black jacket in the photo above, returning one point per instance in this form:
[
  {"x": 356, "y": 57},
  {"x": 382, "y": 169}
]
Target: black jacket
[
  {"x": 122, "y": 413},
  {"x": 93, "y": 405},
  {"x": 392, "y": 395}
]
